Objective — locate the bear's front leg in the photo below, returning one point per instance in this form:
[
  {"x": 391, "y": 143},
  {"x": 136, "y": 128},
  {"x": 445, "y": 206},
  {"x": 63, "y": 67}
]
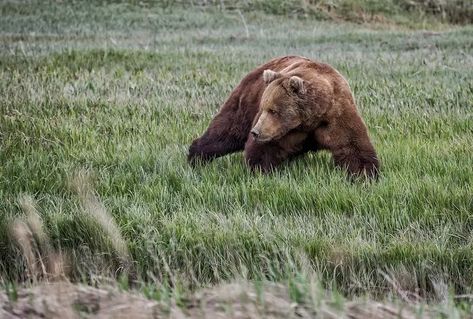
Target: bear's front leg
[
  {"x": 350, "y": 146},
  {"x": 263, "y": 157},
  {"x": 357, "y": 161}
]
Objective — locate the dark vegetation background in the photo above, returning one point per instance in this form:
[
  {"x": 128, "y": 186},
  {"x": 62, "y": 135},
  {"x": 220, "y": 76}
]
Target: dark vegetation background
[{"x": 400, "y": 11}]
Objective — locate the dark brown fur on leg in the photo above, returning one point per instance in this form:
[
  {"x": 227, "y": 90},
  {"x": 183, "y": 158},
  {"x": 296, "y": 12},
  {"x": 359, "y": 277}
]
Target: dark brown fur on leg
[
  {"x": 350, "y": 146},
  {"x": 210, "y": 146},
  {"x": 358, "y": 162},
  {"x": 265, "y": 157},
  {"x": 226, "y": 134}
]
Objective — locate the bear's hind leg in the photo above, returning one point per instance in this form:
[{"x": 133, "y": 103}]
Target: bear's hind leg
[
  {"x": 214, "y": 143},
  {"x": 227, "y": 133}
]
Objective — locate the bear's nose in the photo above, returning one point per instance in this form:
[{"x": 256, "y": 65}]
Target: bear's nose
[{"x": 254, "y": 132}]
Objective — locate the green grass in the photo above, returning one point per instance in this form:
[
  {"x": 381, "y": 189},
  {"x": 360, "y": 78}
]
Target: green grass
[{"x": 122, "y": 90}]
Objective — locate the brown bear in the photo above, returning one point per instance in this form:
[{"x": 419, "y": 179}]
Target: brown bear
[{"x": 284, "y": 108}]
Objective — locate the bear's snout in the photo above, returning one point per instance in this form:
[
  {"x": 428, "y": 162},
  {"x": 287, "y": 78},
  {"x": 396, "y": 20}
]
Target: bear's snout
[{"x": 254, "y": 132}]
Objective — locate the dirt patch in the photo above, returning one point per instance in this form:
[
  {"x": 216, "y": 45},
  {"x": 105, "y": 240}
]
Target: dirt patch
[
  {"x": 236, "y": 300},
  {"x": 65, "y": 300}
]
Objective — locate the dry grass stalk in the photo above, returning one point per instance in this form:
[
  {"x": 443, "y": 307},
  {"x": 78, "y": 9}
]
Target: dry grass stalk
[
  {"x": 82, "y": 185},
  {"x": 28, "y": 232}
]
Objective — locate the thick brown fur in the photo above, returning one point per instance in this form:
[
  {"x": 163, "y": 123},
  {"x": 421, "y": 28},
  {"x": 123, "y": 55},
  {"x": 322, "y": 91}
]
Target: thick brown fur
[{"x": 287, "y": 107}]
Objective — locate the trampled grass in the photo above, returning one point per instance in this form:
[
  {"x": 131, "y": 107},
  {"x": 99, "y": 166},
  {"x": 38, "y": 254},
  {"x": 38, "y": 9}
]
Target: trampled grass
[{"x": 121, "y": 91}]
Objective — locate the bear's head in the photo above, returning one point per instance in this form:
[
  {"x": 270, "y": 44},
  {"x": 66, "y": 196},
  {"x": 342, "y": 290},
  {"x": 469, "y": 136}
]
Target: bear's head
[{"x": 279, "y": 110}]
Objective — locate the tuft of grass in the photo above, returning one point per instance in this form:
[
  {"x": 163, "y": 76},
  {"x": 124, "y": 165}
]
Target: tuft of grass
[{"x": 28, "y": 233}]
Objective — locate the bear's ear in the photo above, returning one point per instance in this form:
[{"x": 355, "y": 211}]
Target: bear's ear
[
  {"x": 269, "y": 76},
  {"x": 297, "y": 84}
]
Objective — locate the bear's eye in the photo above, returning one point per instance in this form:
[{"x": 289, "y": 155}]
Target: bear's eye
[{"x": 272, "y": 112}]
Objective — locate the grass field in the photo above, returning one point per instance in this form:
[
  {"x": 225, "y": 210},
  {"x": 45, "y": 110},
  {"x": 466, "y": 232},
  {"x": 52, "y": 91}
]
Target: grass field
[{"x": 112, "y": 95}]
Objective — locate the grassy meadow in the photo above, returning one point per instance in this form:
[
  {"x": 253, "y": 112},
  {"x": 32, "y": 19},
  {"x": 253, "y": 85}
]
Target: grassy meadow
[{"x": 99, "y": 103}]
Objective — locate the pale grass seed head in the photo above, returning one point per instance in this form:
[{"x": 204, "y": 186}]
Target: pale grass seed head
[
  {"x": 28, "y": 233},
  {"x": 94, "y": 208}
]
